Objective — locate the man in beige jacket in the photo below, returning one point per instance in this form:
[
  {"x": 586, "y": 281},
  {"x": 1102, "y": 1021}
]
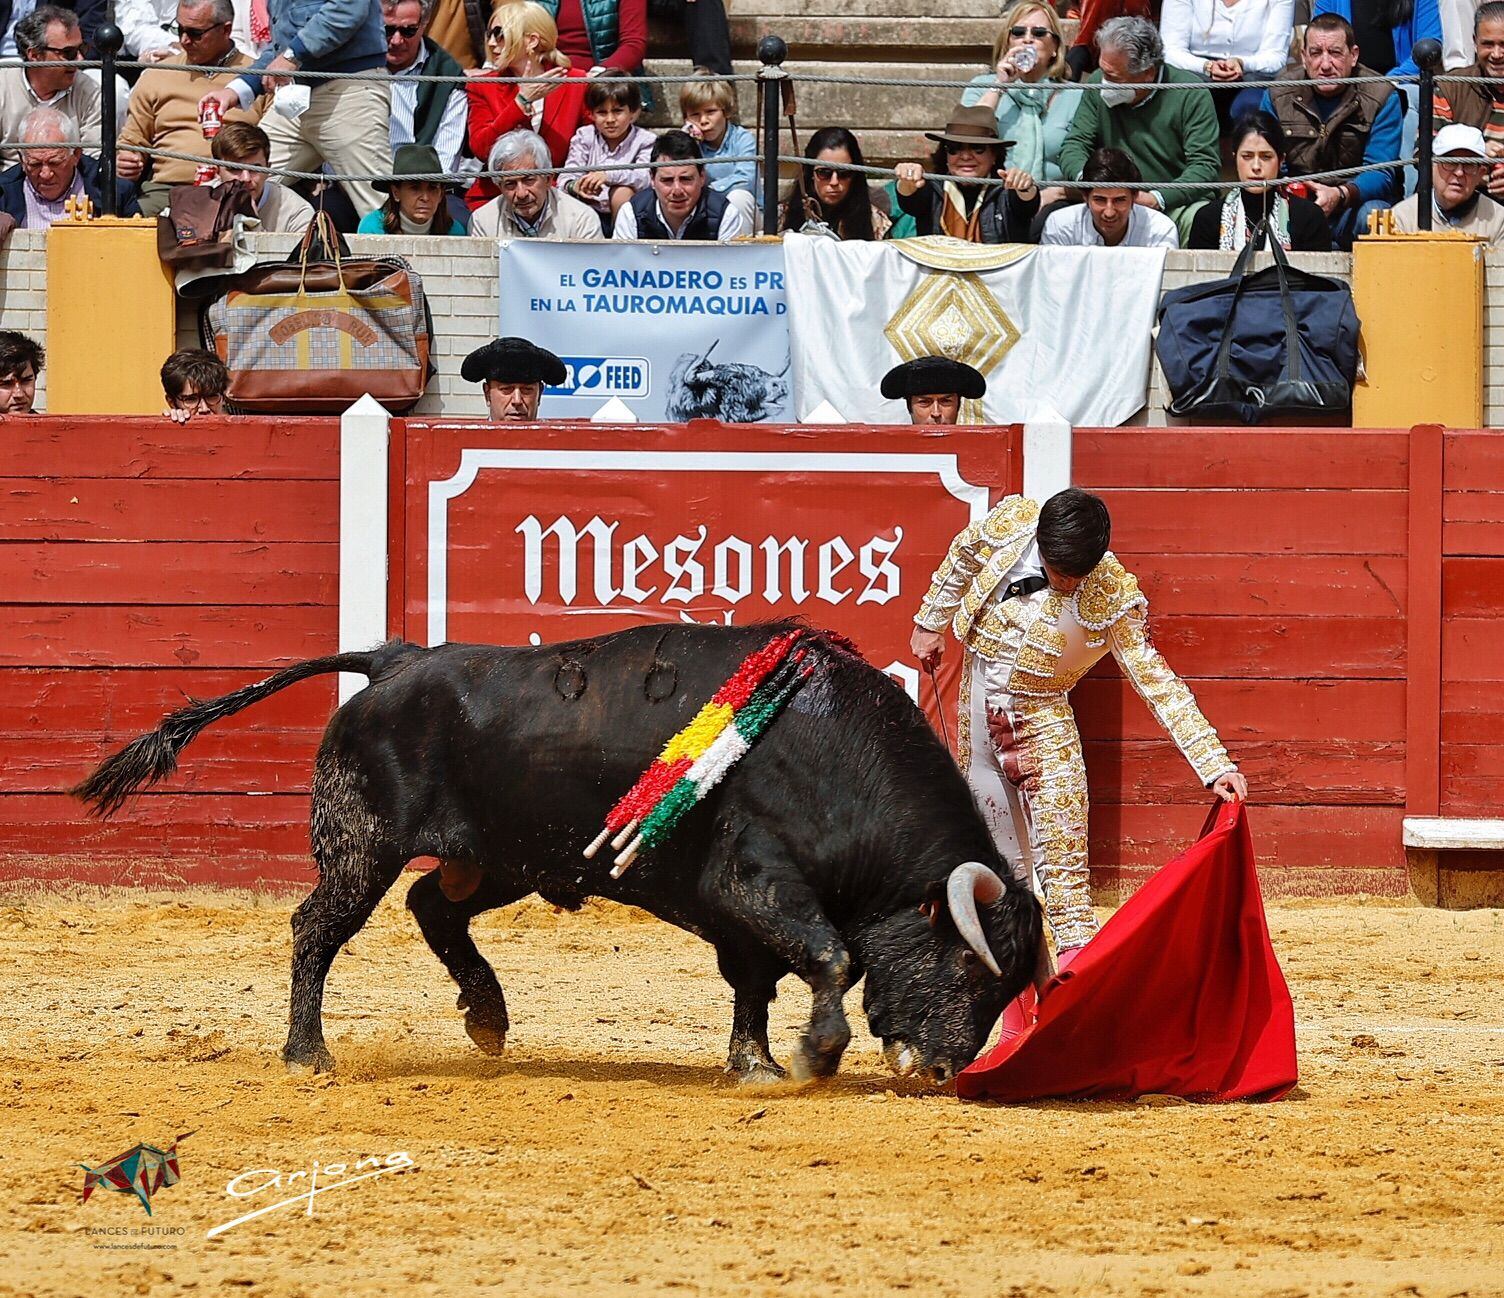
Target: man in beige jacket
[
  {"x": 1459, "y": 166},
  {"x": 530, "y": 207},
  {"x": 1036, "y": 599}
]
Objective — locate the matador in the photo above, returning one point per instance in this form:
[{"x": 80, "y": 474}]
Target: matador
[{"x": 1036, "y": 599}]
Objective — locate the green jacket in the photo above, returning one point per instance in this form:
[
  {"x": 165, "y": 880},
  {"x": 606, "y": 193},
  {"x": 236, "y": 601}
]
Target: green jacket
[
  {"x": 602, "y": 27},
  {"x": 1172, "y": 136}
]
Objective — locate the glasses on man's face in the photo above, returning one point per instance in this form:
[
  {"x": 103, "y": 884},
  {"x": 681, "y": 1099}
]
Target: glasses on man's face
[
  {"x": 407, "y": 32},
  {"x": 1459, "y": 166},
  {"x": 65, "y": 53},
  {"x": 1038, "y": 33},
  {"x": 195, "y": 33}
]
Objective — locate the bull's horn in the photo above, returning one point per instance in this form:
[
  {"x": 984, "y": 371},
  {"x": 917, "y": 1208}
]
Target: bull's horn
[{"x": 969, "y": 885}]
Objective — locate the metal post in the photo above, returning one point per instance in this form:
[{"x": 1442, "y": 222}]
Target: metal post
[
  {"x": 1427, "y": 56},
  {"x": 107, "y": 39},
  {"x": 772, "y": 51}
]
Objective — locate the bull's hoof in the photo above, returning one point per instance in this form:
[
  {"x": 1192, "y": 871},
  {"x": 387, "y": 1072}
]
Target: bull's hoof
[
  {"x": 487, "y": 1034},
  {"x": 757, "y": 1072},
  {"x": 301, "y": 1062},
  {"x": 810, "y": 1064}
]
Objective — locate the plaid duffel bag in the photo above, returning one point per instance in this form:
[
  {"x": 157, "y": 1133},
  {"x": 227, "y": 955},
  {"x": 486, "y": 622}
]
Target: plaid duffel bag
[{"x": 315, "y": 333}]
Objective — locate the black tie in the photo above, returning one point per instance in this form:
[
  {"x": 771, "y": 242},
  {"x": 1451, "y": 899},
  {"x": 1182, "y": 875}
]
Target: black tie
[{"x": 1025, "y": 586}]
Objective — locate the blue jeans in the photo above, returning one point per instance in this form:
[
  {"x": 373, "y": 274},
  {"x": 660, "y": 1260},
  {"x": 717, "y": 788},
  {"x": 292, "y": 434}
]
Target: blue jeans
[{"x": 1353, "y": 223}]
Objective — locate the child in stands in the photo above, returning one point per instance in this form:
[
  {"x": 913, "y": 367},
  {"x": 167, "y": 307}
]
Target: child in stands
[
  {"x": 709, "y": 109},
  {"x": 614, "y": 144}
]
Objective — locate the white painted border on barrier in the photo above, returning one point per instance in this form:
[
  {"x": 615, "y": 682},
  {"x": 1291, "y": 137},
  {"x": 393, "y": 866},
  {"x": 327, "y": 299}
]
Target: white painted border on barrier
[
  {"x": 364, "y": 437},
  {"x": 1047, "y": 457}
]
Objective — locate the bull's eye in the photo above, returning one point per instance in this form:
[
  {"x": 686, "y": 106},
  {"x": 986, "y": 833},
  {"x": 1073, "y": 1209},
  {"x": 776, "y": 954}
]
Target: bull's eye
[{"x": 969, "y": 959}]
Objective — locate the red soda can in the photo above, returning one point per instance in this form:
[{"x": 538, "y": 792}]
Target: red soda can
[
  {"x": 205, "y": 173},
  {"x": 1298, "y": 189},
  {"x": 209, "y": 118}
]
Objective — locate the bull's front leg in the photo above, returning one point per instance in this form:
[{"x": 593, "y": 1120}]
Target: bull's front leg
[{"x": 756, "y": 884}]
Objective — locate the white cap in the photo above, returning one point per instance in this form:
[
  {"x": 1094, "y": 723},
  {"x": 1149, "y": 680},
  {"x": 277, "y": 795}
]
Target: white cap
[{"x": 1460, "y": 139}]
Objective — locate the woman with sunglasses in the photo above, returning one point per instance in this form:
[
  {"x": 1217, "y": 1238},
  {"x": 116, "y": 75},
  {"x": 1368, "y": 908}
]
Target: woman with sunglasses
[
  {"x": 970, "y": 151},
  {"x": 522, "y": 41},
  {"x": 837, "y": 198},
  {"x": 1027, "y": 93}
]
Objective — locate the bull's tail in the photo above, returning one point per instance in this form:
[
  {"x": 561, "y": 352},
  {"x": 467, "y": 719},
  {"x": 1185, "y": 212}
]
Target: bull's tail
[{"x": 152, "y": 757}]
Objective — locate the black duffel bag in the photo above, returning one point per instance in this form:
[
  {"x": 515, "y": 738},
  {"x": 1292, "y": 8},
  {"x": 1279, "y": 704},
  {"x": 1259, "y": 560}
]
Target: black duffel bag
[{"x": 1259, "y": 346}]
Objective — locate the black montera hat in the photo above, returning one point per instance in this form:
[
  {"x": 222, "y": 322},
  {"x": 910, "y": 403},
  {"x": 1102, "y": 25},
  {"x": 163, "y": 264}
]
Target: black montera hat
[
  {"x": 927, "y": 375},
  {"x": 513, "y": 360}
]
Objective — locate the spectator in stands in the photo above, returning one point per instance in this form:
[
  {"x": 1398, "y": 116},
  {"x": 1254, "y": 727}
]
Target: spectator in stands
[
  {"x": 1476, "y": 96},
  {"x": 970, "y": 150},
  {"x": 194, "y": 382},
  {"x": 706, "y": 31},
  {"x": 347, "y": 121},
  {"x": 1460, "y": 161},
  {"x": 709, "y": 109},
  {"x": 837, "y": 199},
  {"x": 163, "y": 111},
  {"x": 423, "y": 112},
  {"x": 151, "y": 30},
  {"x": 1227, "y": 44},
  {"x": 513, "y": 373},
  {"x": 1026, "y": 93},
  {"x": 1296, "y": 223},
  {"x": 522, "y": 41},
  {"x": 35, "y": 192},
  {"x": 414, "y": 202},
  {"x": 933, "y": 388},
  {"x": 1330, "y": 126},
  {"x": 680, "y": 204},
  {"x": 1111, "y": 217},
  {"x": 1082, "y": 55},
  {"x": 602, "y": 36},
  {"x": 1171, "y": 137},
  {"x": 1386, "y": 30},
  {"x": 21, "y": 361},
  {"x": 530, "y": 207},
  {"x": 614, "y": 145},
  {"x": 237, "y": 148},
  {"x": 47, "y": 36}
]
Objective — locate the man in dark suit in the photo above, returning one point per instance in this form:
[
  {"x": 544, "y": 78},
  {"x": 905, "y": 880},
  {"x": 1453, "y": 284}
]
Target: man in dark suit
[{"x": 35, "y": 192}]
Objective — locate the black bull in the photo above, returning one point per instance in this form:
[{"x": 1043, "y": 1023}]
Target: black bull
[{"x": 845, "y": 843}]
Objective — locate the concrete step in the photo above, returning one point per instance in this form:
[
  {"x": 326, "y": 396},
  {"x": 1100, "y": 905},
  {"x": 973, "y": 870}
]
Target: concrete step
[{"x": 937, "y": 42}]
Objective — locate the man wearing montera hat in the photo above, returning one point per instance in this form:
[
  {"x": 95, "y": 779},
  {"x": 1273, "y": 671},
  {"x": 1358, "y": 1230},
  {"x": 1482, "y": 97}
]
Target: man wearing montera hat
[
  {"x": 1037, "y": 599},
  {"x": 970, "y": 152},
  {"x": 513, "y": 373},
  {"x": 933, "y": 388}
]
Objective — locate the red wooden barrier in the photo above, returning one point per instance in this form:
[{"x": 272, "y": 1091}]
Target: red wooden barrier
[
  {"x": 1275, "y": 566},
  {"x": 1281, "y": 569},
  {"x": 168, "y": 562}
]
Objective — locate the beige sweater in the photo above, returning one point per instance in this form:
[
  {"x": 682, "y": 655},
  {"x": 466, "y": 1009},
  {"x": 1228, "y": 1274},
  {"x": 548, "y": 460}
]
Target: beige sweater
[
  {"x": 567, "y": 218},
  {"x": 80, "y": 102},
  {"x": 1486, "y": 220},
  {"x": 163, "y": 114}
]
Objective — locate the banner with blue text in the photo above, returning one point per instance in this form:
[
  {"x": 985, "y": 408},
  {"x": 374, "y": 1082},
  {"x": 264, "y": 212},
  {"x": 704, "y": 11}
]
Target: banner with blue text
[{"x": 676, "y": 331}]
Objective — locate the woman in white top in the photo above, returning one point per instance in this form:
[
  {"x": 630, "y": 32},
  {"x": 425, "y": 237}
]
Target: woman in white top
[{"x": 1229, "y": 42}]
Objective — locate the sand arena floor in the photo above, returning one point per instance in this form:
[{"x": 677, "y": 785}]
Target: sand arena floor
[{"x": 606, "y": 1154}]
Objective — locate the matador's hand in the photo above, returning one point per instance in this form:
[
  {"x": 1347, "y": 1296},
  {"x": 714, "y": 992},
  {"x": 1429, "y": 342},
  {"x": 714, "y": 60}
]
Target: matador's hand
[
  {"x": 1231, "y": 787},
  {"x": 928, "y": 647}
]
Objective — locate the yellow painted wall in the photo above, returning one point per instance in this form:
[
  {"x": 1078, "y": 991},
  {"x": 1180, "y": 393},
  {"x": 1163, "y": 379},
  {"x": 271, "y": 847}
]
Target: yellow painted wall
[
  {"x": 1420, "y": 298},
  {"x": 111, "y": 317}
]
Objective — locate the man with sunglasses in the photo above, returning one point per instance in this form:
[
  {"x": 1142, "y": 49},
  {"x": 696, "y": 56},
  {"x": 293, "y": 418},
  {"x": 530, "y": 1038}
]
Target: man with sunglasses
[
  {"x": 163, "y": 111},
  {"x": 433, "y": 113},
  {"x": 45, "y": 38},
  {"x": 153, "y": 31},
  {"x": 1460, "y": 165}
]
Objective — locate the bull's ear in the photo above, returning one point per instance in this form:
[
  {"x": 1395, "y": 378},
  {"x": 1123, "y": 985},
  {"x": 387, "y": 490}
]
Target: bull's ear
[{"x": 931, "y": 911}]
